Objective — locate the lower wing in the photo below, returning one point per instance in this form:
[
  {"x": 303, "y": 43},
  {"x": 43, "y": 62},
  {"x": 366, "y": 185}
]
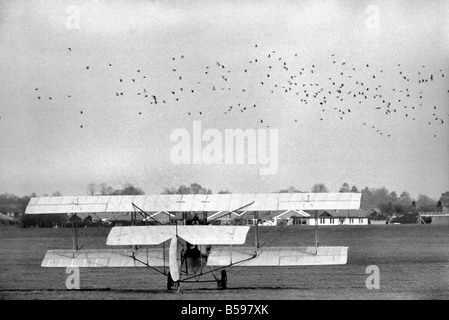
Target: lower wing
[
  {"x": 144, "y": 257},
  {"x": 277, "y": 256}
]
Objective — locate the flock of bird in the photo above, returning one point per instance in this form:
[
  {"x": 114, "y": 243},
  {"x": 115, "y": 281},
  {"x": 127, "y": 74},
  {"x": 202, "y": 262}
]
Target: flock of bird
[{"x": 346, "y": 89}]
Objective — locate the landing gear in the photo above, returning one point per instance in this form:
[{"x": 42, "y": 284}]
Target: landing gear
[
  {"x": 170, "y": 282},
  {"x": 223, "y": 282}
]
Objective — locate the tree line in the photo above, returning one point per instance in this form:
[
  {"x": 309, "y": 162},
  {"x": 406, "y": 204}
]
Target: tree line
[
  {"x": 103, "y": 189},
  {"x": 387, "y": 202}
]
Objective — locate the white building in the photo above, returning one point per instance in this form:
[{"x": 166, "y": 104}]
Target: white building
[
  {"x": 335, "y": 218},
  {"x": 289, "y": 217}
]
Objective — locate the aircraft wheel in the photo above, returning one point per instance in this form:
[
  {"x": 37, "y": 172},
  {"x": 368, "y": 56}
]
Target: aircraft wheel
[
  {"x": 170, "y": 282},
  {"x": 223, "y": 280}
]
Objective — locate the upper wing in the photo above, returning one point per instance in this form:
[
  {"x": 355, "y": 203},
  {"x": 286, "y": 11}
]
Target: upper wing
[{"x": 196, "y": 202}]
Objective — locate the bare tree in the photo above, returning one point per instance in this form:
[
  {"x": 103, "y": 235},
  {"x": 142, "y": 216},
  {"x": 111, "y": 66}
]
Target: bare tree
[
  {"x": 319, "y": 187},
  {"x": 194, "y": 188},
  {"x": 91, "y": 189},
  {"x": 129, "y": 189},
  {"x": 106, "y": 190},
  {"x": 290, "y": 190},
  {"x": 445, "y": 199},
  {"x": 344, "y": 188},
  {"x": 426, "y": 203},
  {"x": 405, "y": 198},
  {"x": 169, "y": 191}
]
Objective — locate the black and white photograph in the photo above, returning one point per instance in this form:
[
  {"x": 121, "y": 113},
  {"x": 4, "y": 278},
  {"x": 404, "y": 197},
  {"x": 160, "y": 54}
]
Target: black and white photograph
[{"x": 224, "y": 155}]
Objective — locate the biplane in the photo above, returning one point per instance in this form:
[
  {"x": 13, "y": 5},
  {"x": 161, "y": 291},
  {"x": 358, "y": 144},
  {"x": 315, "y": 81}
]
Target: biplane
[{"x": 188, "y": 252}]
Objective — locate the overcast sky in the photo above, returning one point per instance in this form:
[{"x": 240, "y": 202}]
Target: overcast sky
[{"x": 392, "y": 55}]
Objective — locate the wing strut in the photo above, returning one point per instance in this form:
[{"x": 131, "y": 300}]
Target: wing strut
[
  {"x": 145, "y": 215},
  {"x": 317, "y": 234},
  {"x": 256, "y": 216},
  {"x": 233, "y": 211},
  {"x": 75, "y": 233}
]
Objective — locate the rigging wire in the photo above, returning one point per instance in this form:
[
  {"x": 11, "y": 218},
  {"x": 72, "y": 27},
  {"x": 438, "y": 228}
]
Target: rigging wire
[
  {"x": 90, "y": 239},
  {"x": 238, "y": 269}
]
